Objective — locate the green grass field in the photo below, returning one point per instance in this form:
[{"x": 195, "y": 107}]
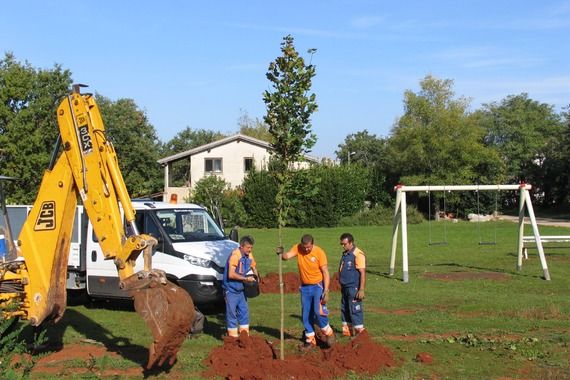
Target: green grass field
[{"x": 513, "y": 327}]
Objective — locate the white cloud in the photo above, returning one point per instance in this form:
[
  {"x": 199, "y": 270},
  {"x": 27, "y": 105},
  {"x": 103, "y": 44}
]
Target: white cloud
[
  {"x": 554, "y": 90},
  {"x": 366, "y": 22},
  {"x": 485, "y": 57}
]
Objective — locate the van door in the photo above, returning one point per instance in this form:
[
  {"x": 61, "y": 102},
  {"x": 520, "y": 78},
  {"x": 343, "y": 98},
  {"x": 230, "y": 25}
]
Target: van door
[{"x": 102, "y": 277}]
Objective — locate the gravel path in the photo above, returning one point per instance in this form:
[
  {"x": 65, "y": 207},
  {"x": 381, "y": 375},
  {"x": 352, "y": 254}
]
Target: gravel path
[{"x": 541, "y": 221}]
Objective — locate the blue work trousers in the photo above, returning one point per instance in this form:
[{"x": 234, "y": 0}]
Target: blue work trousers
[
  {"x": 310, "y": 302},
  {"x": 350, "y": 308},
  {"x": 237, "y": 310}
]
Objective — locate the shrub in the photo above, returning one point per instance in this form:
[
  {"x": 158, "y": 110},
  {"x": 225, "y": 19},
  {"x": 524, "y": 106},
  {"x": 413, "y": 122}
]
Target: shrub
[
  {"x": 259, "y": 190},
  {"x": 379, "y": 215},
  {"x": 341, "y": 192},
  {"x": 15, "y": 361},
  {"x": 233, "y": 212},
  {"x": 209, "y": 192}
]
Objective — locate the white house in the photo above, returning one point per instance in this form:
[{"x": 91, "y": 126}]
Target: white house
[{"x": 231, "y": 158}]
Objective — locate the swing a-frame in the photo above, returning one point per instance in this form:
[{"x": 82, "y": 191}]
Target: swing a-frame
[{"x": 400, "y": 218}]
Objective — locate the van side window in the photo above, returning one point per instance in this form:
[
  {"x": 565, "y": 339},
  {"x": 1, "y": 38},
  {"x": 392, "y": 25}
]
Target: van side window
[
  {"x": 151, "y": 228},
  {"x": 146, "y": 225}
]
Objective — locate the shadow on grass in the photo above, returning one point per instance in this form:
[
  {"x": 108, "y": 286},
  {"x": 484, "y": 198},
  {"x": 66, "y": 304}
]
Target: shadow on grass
[
  {"x": 379, "y": 273},
  {"x": 274, "y": 333},
  {"x": 494, "y": 270},
  {"x": 95, "y": 332}
]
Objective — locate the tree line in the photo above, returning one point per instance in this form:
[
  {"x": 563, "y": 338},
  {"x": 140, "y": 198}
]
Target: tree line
[
  {"x": 29, "y": 97},
  {"x": 438, "y": 140}
]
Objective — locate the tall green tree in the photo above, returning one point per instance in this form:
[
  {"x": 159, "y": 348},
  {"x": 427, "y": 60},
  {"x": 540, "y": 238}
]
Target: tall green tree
[
  {"x": 437, "y": 141},
  {"x": 525, "y": 132},
  {"x": 185, "y": 140},
  {"x": 364, "y": 148},
  {"x": 189, "y": 138},
  {"x": 136, "y": 143},
  {"x": 209, "y": 192},
  {"x": 369, "y": 151},
  {"x": 289, "y": 109},
  {"x": 253, "y": 128},
  {"x": 28, "y": 125}
]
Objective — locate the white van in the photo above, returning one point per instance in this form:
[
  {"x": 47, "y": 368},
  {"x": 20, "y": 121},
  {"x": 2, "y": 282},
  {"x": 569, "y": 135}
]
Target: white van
[{"x": 192, "y": 250}]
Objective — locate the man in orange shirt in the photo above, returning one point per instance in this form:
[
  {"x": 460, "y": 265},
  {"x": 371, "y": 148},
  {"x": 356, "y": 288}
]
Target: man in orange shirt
[
  {"x": 315, "y": 280},
  {"x": 239, "y": 265}
]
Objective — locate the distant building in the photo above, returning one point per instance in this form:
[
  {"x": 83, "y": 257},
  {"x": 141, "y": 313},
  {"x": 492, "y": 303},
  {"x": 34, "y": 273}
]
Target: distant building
[{"x": 230, "y": 158}]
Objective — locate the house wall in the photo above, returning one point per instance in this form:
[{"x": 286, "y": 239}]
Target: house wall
[{"x": 232, "y": 155}]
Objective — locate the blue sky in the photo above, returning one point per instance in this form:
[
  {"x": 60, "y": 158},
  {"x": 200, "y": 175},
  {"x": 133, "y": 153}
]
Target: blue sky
[{"x": 202, "y": 64}]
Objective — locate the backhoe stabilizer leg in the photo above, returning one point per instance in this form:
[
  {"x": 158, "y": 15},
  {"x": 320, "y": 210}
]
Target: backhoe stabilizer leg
[{"x": 168, "y": 311}]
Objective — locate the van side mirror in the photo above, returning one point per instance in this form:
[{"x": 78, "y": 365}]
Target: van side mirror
[{"x": 234, "y": 234}]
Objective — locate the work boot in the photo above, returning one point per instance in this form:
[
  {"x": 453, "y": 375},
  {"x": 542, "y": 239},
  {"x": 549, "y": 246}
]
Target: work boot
[
  {"x": 309, "y": 343},
  {"x": 346, "y": 330},
  {"x": 244, "y": 330},
  {"x": 358, "y": 330},
  {"x": 330, "y": 339}
]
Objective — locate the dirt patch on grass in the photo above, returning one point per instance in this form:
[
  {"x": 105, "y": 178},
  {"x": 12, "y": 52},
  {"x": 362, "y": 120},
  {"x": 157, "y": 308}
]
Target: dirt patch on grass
[
  {"x": 461, "y": 276},
  {"x": 270, "y": 283},
  {"x": 424, "y": 357},
  {"x": 417, "y": 337},
  {"x": 548, "y": 313},
  {"x": 252, "y": 357},
  {"x": 381, "y": 310},
  {"x": 83, "y": 359}
]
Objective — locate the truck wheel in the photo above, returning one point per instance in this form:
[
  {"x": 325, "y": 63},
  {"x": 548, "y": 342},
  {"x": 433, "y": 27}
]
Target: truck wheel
[{"x": 76, "y": 297}]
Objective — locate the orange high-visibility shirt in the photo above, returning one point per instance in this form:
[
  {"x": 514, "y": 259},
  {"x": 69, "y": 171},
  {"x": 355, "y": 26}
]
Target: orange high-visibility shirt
[
  {"x": 359, "y": 258},
  {"x": 310, "y": 264},
  {"x": 234, "y": 261}
]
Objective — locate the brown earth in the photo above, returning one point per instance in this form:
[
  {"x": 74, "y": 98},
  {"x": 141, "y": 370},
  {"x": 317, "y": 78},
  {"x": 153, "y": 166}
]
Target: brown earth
[
  {"x": 169, "y": 313},
  {"x": 291, "y": 283},
  {"x": 84, "y": 358},
  {"x": 252, "y": 357},
  {"x": 459, "y": 276},
  {"x": 381, "y": 310},
  {"x": 424, "y": 357}
]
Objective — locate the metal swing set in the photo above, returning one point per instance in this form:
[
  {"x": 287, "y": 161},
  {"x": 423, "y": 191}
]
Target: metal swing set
[
  {"x": 431, "y": 234},
  {"x": 401, "y": 219}
]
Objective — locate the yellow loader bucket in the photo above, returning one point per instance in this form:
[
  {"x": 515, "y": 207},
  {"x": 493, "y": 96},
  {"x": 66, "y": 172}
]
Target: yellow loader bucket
[{"x": 168, "y": 311}]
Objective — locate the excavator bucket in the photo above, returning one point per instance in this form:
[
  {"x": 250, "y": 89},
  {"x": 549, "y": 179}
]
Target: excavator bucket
[{"x": 168, "y": 311}]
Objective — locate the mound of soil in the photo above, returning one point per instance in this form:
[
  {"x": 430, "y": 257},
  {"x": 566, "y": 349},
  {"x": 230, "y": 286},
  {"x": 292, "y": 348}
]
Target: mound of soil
[
  {"x": 291, "y": 283},
  {"x": 424, "y": 357},
  {"x": 459, "y": 276},
  {"x": 252, "y": 357}
]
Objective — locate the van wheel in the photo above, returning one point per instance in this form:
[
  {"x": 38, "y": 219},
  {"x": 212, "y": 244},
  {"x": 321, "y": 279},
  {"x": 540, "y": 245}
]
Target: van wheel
[
  {"x": 8, "y": 326},
  {"x": 76, "y": 297}
]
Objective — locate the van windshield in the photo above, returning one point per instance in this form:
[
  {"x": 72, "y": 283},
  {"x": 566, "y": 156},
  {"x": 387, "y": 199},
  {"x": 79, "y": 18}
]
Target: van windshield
[{"x": 186, "y": 225}]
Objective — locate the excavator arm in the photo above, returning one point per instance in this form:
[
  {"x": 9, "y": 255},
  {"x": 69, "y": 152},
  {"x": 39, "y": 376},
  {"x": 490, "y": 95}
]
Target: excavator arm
[{"x": 34, "y": 279}]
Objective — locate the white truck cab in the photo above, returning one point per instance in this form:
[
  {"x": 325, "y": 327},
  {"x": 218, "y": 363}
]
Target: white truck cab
[{"x": 191, "y": 249}]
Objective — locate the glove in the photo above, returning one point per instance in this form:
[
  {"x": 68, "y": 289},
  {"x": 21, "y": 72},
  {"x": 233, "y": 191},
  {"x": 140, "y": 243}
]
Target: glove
[
  {"x": 325, "y": 297},
  {"x": 279, "y": 250},
  {"x": 360, "y": 295}
]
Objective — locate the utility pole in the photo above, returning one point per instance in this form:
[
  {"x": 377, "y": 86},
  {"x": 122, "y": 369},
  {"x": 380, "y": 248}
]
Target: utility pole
[{"x": 349, "y": 155}]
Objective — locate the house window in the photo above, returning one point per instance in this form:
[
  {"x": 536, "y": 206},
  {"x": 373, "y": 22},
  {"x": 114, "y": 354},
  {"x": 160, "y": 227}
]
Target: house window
[
  {"x": 247, "y": 164},
  {"x": 213, "y": 165}
]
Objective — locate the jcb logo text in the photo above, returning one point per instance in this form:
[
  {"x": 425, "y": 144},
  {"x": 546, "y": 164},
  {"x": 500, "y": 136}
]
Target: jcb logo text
[{"x": 46, "y": 217}]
